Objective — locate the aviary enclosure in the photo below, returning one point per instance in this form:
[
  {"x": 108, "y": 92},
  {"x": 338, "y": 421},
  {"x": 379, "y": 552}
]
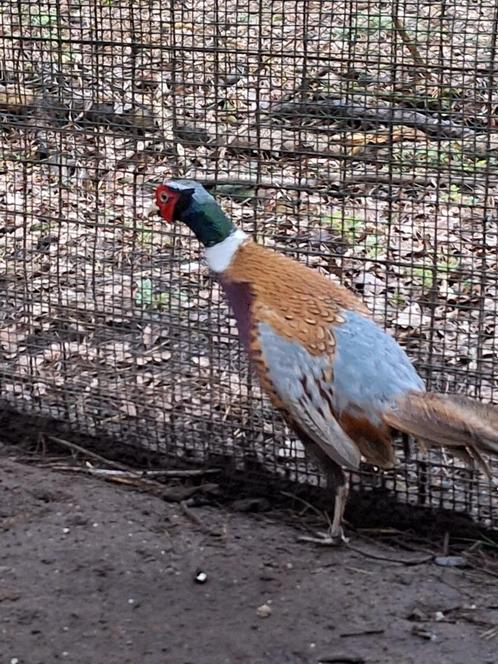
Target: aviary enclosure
[{"x": 360, "y": 137}]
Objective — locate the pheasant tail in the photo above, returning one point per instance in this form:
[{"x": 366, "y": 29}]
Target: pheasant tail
[{"x": 468, "y": 428}]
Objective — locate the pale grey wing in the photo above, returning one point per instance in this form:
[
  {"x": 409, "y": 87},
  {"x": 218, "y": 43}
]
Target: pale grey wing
[
  {"x": 370, "y": 369},
  {"x": 298, "y": 379}
]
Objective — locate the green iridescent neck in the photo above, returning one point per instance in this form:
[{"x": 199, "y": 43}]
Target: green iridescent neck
[{"x": 207, "y": 220}]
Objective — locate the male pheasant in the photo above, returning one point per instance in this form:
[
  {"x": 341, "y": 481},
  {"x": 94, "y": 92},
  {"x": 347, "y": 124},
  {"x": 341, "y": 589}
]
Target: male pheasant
[{"x": 340, "y": 382}]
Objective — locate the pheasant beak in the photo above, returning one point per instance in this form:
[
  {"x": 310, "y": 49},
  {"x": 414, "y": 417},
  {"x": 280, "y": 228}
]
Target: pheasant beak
[{"x": 152, "y": 210}]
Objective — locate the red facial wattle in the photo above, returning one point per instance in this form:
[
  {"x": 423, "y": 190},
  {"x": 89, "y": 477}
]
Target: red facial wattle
[{"x": 166, "y": 200}]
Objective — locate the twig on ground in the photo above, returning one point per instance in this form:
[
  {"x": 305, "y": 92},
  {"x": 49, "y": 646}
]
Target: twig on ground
[
  {"x": 363, "y": 632},
  {"x": 138, "y": 479},
  {"x": 306, "y": 504},
  {"x": 137, "y": 474},
  {"x": 401, "y": 561},
  {"x": 490, "y": 633},
  {"x": 405, "y": 545},
  {"x": 123, "y": 471},
  {"x": 190, "y": 514},
  {"x": 341, "y": 659},
  {"x": 82, "y": 450}
]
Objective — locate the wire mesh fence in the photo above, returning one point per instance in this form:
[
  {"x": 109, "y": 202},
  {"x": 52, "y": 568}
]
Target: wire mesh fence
[{"x": 359, "y": 137}]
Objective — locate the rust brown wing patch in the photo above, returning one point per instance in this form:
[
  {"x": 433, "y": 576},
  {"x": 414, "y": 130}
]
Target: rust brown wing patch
[
  {"x": 298, "y": 302},
  {"x": 374, "y": 441}
]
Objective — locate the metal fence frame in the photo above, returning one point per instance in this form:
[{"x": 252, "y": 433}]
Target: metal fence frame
[{"x": 358, "y": 137}]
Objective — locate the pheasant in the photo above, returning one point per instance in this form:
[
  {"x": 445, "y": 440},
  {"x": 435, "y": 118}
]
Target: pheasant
[{"x": 341, "y": 383}]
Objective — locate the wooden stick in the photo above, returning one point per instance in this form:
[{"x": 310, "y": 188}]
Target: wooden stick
[
  {"x": 410, "y": 45},
  {"x": 93, "y": 455}
]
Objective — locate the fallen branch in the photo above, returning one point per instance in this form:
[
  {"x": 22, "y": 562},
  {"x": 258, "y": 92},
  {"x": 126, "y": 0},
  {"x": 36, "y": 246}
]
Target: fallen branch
[
  {"x": 134, "y": 474},
  {"x": 136, "y": 479},
  {"x": 123, "y": 471},
  {"x": 343, "y": 109}
]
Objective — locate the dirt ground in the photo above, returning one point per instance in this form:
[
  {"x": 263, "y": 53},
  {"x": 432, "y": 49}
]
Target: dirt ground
[{"x": 92, "y": 572}]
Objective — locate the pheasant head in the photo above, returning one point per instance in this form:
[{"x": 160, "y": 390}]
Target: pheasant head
[{"x": 187, "y": 201}]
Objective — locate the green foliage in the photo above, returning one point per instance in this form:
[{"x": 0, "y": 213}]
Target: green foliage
[
  {"x": 397, "y": 299},
  {"x": 44, "y": 18},
  {"x": 144, "y": 296},
  {"x": 161, "y": 300},
  {"x": 452, "y": 195},
  {"x": 428, "y": 275},
  {"x": 144, "y": 236},
  {"x": 349, "y": 226},
  {"x": 370, "y": 23},
  {"x": 448, "y": 158},
  {"x": 373, "y": 245},
  {"x": 42, "y": 227},
  {"x": 147, "y": 298}
]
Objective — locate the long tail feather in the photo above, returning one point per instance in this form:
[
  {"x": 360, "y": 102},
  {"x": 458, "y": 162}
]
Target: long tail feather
[{"x": 467, "y": 427}]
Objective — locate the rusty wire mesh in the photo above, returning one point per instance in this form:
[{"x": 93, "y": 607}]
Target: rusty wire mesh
[{"x": 359, "y": 137}]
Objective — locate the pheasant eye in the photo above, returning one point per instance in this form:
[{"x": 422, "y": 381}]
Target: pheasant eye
[{"x": 163, "y": 197}]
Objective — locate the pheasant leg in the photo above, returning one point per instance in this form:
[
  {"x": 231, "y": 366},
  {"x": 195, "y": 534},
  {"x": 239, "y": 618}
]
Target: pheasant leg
[{"x": 336, "y": 481}]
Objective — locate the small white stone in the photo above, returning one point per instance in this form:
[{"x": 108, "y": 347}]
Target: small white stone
[
  {"x": 264, "y": 611},
  {"x": 65, "y": 531},
  {"x": 201, "y": 577}
]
